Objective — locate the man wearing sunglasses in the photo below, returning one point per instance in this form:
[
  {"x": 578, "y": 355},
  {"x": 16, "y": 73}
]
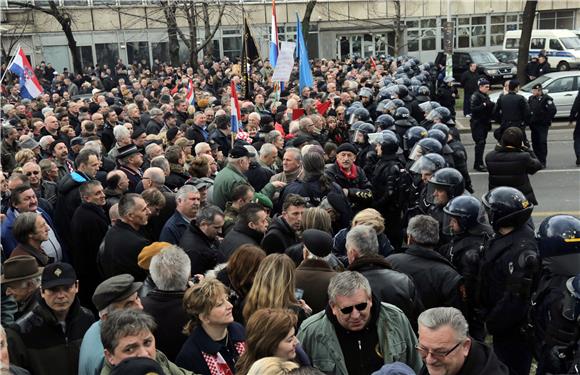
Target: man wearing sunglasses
[
  {"x": 447, "y": 349},
  {"x": 357, "y": 334},
  {"x": 43, "y": 188}
]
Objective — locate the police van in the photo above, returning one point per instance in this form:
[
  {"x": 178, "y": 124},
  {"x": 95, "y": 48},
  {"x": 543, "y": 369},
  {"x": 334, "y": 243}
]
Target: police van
[{"x": 562, "y": 46}]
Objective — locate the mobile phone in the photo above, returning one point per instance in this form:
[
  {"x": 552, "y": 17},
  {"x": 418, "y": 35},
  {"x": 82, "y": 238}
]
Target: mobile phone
[{"x": 298, "y": 293}]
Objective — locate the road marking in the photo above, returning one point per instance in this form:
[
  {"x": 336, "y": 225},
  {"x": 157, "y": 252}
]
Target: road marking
[
  {"x": 542, "y": 171},
  {"x": 550, "y": 213}
]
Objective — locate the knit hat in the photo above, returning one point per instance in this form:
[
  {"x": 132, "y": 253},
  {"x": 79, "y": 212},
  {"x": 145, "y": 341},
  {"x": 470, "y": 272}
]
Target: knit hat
[
  {"x": 395, "y": 368},
  {"x": 317, "y": 242},
  {"x": 346, "y": 147},
  {"x": 148, "y": 252},
  {"x": 171, "y": 134}
]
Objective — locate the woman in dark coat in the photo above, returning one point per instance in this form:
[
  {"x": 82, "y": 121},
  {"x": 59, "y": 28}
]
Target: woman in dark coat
[{"x": 511, "y": 163}]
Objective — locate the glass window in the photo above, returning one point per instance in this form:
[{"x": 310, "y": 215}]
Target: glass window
[
  {"x": 232, "y": 47},
  {"x": 160, "y": 51},
  {"x": 497, "y": 29},
  {"x": 107, "y": 53},
  {"x": 561, "y": 85},
  {"x": 412, "y": 24},
  {"x": 368, "y": 45},
  {"x": 428, "y": 41},
  {"x": 565, "y": 23},
  {"x": 537, "y": 43},
  {"x": 356, "y": 45},
  {"x": 216, "y": 49},
  {"x": 429, "y": 23},
  {"x": 86, "y": 55},
  {"x": 512, "y": 43},
  {"x": 380, "y": 44},
  {"x": 463, "y": 36},
  {"x": 464, "y": 21},
  {"x": 571, "y": 42},
  {"x": 413, "y": 40},
  {"x": 511, "y": 18},
  {"x": 497, "y": 19},
  {"x": 478, "y": 21},
  {"x": 496, "y": 40},
  {"x": 138, "y": 52},
  {"x": 478, "y": 36},
  {"x": 555, "y": 44}
]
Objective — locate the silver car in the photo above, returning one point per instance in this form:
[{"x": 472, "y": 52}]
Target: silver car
[{"x": 561, "y": 86}]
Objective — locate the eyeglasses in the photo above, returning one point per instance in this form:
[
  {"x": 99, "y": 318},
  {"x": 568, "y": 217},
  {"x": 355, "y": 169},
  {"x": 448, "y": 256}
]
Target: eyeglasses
[
  {"x": 437, "y": 354},
  {"x": 32, "y": 173},
  {"x": 360, "y": 307}
]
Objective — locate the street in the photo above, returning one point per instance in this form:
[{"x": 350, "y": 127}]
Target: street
[{"x": 557, "y": 188}]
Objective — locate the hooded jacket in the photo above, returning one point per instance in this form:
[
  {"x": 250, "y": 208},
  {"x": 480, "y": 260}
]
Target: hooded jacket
[
  {"x": 240, "y": 235},
  {"x": 279, "y": 236},
  {"x": 68, "y": 200}
]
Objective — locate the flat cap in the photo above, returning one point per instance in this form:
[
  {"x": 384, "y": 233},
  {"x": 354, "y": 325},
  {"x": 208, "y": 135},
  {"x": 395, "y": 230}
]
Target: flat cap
[{"x": 114, "y": 289}]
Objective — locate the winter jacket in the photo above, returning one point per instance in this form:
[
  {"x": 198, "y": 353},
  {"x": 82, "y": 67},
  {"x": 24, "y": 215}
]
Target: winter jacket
[
  {"x": 176, "y": 178},
  {"x": 226, "y": 180},
  {"x": 258, "y": 176},
  {"x": 203, "y": 252},
  {"x": 510, "y": 166},
  {"x": 92, "y": 356},
  {"x": 169, "y": 368},
  {"x": 313, "y": 277},
  {"x": 174, "y": 228},
  {"x": 238, "y": 236},
  {"x": 339, "y": 245},
  {"x": 8, "y": 240},
  {"x": 122, "y": 245},
  {"x": 37, "y": 341},
  {"x": 279, "y": 236},
  {"x": 359, "y": 188},
  {"x": 396, "y": 341},
  {"x": 437, "y": 282},
  {"x": 69, "y": 198}
]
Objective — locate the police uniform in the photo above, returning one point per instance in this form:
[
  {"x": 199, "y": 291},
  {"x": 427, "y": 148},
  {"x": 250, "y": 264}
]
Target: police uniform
[
  {"x": 480, "y": 124},
  {"x": 542, "y": 111},
  {"x": 512, "y": 110}
]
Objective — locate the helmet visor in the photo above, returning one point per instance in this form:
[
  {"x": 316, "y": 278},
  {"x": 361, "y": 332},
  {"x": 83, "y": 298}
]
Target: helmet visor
[
  {"x": 416, "y": 152},
  {"x": 571, "y": 304}
]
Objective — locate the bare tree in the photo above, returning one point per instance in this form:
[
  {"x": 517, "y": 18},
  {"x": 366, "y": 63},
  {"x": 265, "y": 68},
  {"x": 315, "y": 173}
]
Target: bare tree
[
  {"x": 11, "y": 36},
  {"x": 524, "y": 48},
  {"x": 64, "y": 18},
  {"x": 399, "y": 28},
  {"x": 306, "y": 19}
]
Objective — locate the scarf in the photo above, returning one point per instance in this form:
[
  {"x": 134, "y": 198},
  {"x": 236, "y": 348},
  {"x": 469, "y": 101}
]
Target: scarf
[
  {"x": 217, "y": 364},
  {"x": 350, "y": 175}
]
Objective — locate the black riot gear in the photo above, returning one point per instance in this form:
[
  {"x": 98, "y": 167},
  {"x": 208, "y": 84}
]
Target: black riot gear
[
  {"x": 507, "y": 207},
  {"x": 384, "y": 122},
  {"x": 438, "y": 135},
  {"x": 412, "y": 136},
  {"x": 466, "y": 210},
  {"x": 448, "y": 179},
  {"x": 425, "y": 146},
  {"x": 359, "y": 114}
]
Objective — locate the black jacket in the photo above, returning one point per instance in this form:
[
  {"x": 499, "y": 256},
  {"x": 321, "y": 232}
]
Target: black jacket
[
  {"x": 469, "y": 81},
  {"x": 510, "y": 166},
  {"x": 279, "y": 236},
  {"x": 460, "y": 162},
  {"x": 481, "y": 360},
  {"x": 37, "y": 341},
  {"x": 575, "y": 111},
  {"x": 542, "y": 110},
  {"x": 176, "y": 179},
  {"x": 238, "y": 236},
  {"x": 202, "y": 251},
  {"x": 512, "y": 110},
  {"x": 122, "y": 245},
  {"x": 258, "y": 176},
  {"x": 437, "y": 282},
  {"x": 482, "y": 109},
  {"x": 390, "y": 286},
  {"x": 360, "y": 191},
  {"x": 69, "y": 198},
  {"x": 153, "y": 127},
  {"x": 167, "y": 309},
  {"x": 194, "y": 133},
  {"x": 221, "y": 139}
]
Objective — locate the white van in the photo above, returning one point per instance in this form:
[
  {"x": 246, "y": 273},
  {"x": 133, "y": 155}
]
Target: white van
[{"x": 562, "y": 46}]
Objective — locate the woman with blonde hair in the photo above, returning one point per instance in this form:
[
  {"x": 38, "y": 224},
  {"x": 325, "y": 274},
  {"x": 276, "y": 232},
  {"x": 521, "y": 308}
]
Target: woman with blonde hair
[
  {"x": 272, "y": 366},
  {"x": 24, "y": 156},
  {"x": 274, "y": 287},
  {"x": 271, "y": 333},
  {"x": 368, "y": 216},
  {"x": 215, "y": 341}
]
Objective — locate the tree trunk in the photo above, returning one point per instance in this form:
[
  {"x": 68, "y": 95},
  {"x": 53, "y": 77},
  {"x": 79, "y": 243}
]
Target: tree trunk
[
  {"x": 192, "y": 23},
  {"x": 208, "y": 49},
  {"x": 399, "y": 45},
  {"x": 169, "y": 11},
  {"x": 524, "y": 48},
  {"x": 306, "y": 20}
]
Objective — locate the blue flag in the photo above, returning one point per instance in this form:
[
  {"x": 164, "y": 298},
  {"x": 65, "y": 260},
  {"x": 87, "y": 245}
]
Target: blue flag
[{"x": 305, "y": 72}]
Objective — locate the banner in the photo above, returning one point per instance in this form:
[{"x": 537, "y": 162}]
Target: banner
[
  {"x": 285, "y": 62},
  {"x": 249, "y": 55}
]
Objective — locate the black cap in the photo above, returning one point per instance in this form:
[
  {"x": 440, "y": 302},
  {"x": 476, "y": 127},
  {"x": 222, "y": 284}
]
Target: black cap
[
  {"x": 317, "y": 242},
  {"x": 483, "y": 82},
  {"x": 537, "y": 86},
  {"x": 137, "y": 366},
  {"x": 58, "y": 274},
  {"x": 115, "y": 289},
  {"x": 137, "y": 132},
  {"x": 77, "y": 141},
  {"x": 127, "y": 151},
  {"x": 171, "y": 134},
  {"x": 346, "y": 147},
  {"x": 240, "y": 151}
]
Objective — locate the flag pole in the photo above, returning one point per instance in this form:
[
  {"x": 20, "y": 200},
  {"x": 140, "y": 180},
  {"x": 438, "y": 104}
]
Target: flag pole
[{"x": 10, "y": 62}]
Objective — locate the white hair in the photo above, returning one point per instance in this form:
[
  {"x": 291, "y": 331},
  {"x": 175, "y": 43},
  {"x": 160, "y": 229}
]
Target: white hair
[
  {"x": 121, "y": 132},
  {"x": 170, "y": 269}
]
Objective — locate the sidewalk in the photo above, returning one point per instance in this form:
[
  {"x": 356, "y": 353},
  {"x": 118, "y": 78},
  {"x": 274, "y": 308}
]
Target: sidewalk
[{"x": 462, "y": 123}]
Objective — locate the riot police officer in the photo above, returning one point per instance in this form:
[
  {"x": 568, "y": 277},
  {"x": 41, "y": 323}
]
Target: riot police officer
[
  {"x": 447, "y": 94},
  {"x": 360, "y": 139},
  {"x": 556, "y": 333},
  {"x": 543, "y": 110},
  {"x": 467, "y": 225},
  {"x": 411, "y": 137},
  {"x": 390, "y": 185},
  {"x": 509, "y": 267},
  {"x": 458, "y": 153},
  {"x": 510, "y": 110},
  {"x": 480, "y": 122}
]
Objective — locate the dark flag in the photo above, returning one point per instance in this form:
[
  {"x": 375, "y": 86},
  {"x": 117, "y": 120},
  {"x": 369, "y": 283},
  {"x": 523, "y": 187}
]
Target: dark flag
[{"x": 249, "y": 55}]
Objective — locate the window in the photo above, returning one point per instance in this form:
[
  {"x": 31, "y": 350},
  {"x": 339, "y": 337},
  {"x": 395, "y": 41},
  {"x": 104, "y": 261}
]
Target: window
[
  {"x": 160, "y": 51},
  {"x": 555, "y": 44},
  {"x": 421, "y": 35},
  {"x": 107, "y": 53},
  {"x": 413, "y": 40},
  {"x": 512, "y": 43},
  {"x": 537, "y": 43},
  {"x": 232, "y": 46},
  {"x": 562, "y": 19},
  {"x": 86, "y": 56},
  {"x": 138, "y": 52},
  {"x": 428, "y": 40},
  {"x": 561, "y": 85},
  {"x": 571, "y": 42}
]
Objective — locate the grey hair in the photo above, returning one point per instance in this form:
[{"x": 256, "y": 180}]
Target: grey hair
[
  {"x": 445, "y": 316},
  {"x": 127, "y": 203},
  {"x": 149, "y": 148},
  {"x": 121, "y": 132},
  {"x": 267, "y": 148},
  {"x": 87, "y": 188},
  {"x": 252, "y": 150},
  {"x": 364, "y": 239},
  {"x": 184, "y": 190},
  {"x": 346, "y": 284},
  {"x": 122, "y": 323},
  {"x": 208, "y": 214},
  {"x": 272, "y": 135},
  {"x": 296, "y": 151},
  {"x": 197, "y": 148},
  {"x": 161, "y": 162},
  {"x": 170, "y": 269},
  {"x": 156, "y": 174},
  {"x": 24, "y": 225},
  {"x": 424, "y": 230},
  {"x": 94, "y": 145}
]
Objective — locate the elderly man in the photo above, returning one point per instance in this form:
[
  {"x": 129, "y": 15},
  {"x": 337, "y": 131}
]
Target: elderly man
[
  {"x": 21, "y": 278},
  {"x": 251, "y": 225},
  {"x": 447, "y": 349},
  {"x": 117, "y": 184},
  {"x": 233, "y": 174},
  {"x": 122, "y": 138},
  {"x": 123, "y": 241},
  {"x": 357, "y": 333},
  {"x": 388, "y": 285},
  {"x": 268, "y": 156},
  {"x": 131, "y": 160},
  {"x": 39, "y": 339},
  {"x": 154, "y": 177},
  {"x": 121, "y": 342},
  {"x": 437, "y": 281},
  {"x": 116, "y": 293},
  {"x": 198, "y": 132},
  {"x": 51, "y": 127},
  {"x": 291, "y": 167},
  {"x": 187, "y": 201},
  {"x": 43, "y": 188},
  {"x": 202, "y": 148},
  {"x": 59, "y": 152},
  {"x": 155, "y": 124},
  {"x": 170, "y": 271}
]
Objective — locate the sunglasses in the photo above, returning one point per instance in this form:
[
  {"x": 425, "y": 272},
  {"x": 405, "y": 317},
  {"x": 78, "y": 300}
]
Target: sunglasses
[
  {"x": 423, "y": 352},
  {"x": 360, "y": 307},
  {"x": 32, "y": 173}
]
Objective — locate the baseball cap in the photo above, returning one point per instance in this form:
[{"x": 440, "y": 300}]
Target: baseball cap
[
  {"x": 58, "y": 274},
  {"x": 240, "y": 151}
]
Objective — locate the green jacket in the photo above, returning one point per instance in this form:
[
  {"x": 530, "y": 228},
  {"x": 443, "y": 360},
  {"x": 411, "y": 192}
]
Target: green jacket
[
  {"x": 396, "y": 339},
  {"x": 169, "y": 368},
  {"x": 226, "y": 180}
]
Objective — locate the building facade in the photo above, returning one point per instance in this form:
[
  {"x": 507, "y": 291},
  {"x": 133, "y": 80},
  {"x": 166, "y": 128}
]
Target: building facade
[{"x": 136, "y": 30}]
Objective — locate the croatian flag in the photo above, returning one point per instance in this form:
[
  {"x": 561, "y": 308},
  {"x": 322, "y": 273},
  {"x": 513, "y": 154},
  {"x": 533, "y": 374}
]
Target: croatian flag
[
  {"x": 236, "y": 114},
  {"x": 190, "y": 97},
  {"x": 274, "y": 37},
  {"x": 29, "y": 86}
]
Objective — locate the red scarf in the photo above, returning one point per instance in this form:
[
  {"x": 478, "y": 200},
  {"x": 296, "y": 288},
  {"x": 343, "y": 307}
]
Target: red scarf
[{"x": 350, "y": 175}]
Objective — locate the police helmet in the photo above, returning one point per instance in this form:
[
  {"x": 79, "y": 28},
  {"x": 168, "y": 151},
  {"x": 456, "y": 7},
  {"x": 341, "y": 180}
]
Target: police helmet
[
  {"x": 398, "y": 103},
  {"x": 444, "y": 128},
  {"x": 427, "y": 107},
  {"x": 366, "y": 128},
  {"x": 423, "y": 90},
  {"x": 425, "y": 146},
  {"x": 448, "y": 179},
  {"x": 359, "y": 114},
  {"x": 467, "y": 210},
  {"x": 388, "y": 141},
  {"x": 382, "y": 106},
  {"x": 438, "y": 135},
  {"x": 449, "y": 79},
  {"x": 507, "y": 207},
  {"x": 365, "y": 92},
  {"x": 415, "y": 82},
  {"x": 402, "y": 113},
  {"x": 412, "y": 136},
  {"x": 428, "y": 163},
  {"x": 440, "y": 113},
  {"x": 384, "y": 121},
  {"x": 559, "y": 235}
]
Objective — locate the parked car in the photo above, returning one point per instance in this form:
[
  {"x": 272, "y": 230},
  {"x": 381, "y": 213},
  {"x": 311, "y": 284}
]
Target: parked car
[
  {"x": 489, "y": 66},
  {"x": 508, "y": 57},
  {"x": 562, "y": 87}
]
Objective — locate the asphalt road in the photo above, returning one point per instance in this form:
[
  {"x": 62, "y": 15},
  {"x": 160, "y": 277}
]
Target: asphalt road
[{"x": 557, "y": 188}]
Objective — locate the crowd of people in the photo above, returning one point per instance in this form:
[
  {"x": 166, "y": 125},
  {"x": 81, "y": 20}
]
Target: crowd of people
[{"x": 334, "y": 232}]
